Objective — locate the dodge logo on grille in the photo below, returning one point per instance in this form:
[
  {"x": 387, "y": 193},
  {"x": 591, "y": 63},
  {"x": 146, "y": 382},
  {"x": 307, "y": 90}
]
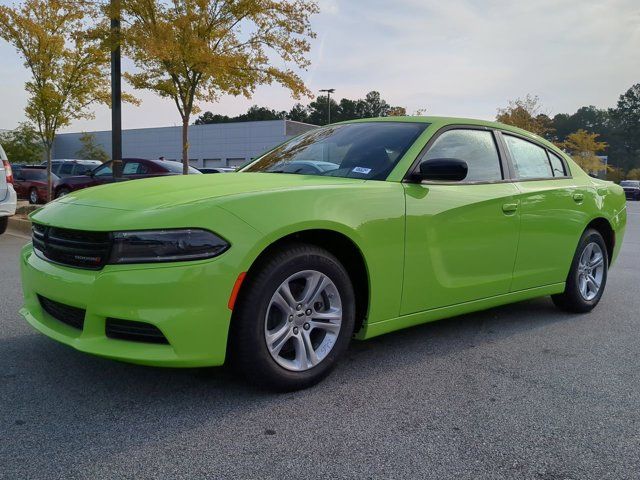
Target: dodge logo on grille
[{"x": 83, "y": 258}]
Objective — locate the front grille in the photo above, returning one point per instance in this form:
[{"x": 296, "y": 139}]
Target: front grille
[
  {"x": 72, "y": 316},
  {"x": 75, "y": 248},
  {"x": 134, "y": 331}
]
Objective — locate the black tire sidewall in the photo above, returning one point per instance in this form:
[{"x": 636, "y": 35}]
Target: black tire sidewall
[{"x": 249, "y": 349}]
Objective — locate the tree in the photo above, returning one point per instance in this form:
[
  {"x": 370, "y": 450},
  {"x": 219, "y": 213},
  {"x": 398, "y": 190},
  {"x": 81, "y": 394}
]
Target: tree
[
  {"x": 65, "y": 58},
  {"x": 526, "y": 113},
  {"x": 397, "y": 112},
  {"x": 298, "y": 113},
  {"x": 625, "y": 136},
  {"x": 256, "y": 113},
  {"x": 615, "y": 174},
  {"x": 195, "y": 50},
  {"x": 583, "y": 147},
  {"x": 208, "y": 117},
  {"x": 633, "y": 174},
  {"x": 627, "y": 116},
  {"x": 90, "y": 150},
  {"x": 22, "y": 144}
]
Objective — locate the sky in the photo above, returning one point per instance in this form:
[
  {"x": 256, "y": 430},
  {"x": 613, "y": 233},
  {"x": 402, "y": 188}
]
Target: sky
[{"x": 460, "y": 58}]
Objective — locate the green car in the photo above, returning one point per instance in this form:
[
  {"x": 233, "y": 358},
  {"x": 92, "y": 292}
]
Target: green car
[{"x": 351, "y": 230}]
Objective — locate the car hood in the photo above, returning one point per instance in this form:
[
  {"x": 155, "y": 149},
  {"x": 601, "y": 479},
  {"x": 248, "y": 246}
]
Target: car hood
[{"x": 171, "y": 191}]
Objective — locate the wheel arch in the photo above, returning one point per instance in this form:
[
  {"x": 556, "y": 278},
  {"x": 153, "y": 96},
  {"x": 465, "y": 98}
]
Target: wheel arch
[
  {"x": 345, "y": 250},
  {"x": 604, "y": 228}
]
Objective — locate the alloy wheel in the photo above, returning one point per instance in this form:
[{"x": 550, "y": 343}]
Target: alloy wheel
[
  {"x": 590, "y": 271},
  {"x": 303, "y": 320}
]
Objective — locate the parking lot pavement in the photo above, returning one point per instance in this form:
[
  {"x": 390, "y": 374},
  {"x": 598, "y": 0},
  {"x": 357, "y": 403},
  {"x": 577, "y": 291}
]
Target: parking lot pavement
[{"x": 522, "y": 391}]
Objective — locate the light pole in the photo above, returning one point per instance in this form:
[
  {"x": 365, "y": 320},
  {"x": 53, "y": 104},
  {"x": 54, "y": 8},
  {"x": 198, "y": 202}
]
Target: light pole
[
  {"x": 116, "y": 90},
  {"x": 328, "y": 91}
]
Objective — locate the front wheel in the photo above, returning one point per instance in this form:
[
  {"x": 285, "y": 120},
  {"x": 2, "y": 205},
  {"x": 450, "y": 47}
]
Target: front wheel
[
  {"x": 294, "y": 318},
  {"x": 588, "y": 275}
]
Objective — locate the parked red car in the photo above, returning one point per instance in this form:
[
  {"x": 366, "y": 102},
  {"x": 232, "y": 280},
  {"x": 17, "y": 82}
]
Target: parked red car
[
  {"x": 31, "y": 183},
  {"x": 132, "y": 169}
]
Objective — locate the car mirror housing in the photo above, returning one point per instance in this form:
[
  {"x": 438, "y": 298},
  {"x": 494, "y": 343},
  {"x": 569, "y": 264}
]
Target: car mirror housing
[{"x": 443, "y": 170}]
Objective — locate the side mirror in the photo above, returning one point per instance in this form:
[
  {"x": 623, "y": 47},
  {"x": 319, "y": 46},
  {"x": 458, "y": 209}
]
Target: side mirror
[{"x": 444, "y": 170}]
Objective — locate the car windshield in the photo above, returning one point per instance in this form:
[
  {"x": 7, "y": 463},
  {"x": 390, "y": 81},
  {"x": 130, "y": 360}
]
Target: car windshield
[
  {"x": 367, "y": 150},
  {"x": 630, "y": 183}
]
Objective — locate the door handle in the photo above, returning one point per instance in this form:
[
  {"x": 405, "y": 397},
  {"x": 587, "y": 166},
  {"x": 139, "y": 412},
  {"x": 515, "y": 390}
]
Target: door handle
[
  {"x": 578, "y": 197},
  {"x": 509, "y": 207}
]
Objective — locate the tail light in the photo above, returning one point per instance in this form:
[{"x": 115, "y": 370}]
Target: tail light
[{"x": 8, "y": 171}]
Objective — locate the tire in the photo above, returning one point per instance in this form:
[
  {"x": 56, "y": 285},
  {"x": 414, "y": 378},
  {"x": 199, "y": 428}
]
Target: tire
[
  {"x": 574, "y": 298},
  {"x": 33, "y": 196},
  {"x": 4, "y": 221},
  {"x": 62, "y": 192},
  {"x": 305, "y": 347}
]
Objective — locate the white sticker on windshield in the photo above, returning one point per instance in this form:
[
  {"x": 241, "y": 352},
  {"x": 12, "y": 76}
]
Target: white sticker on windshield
[{"x": 361, "y": 170}]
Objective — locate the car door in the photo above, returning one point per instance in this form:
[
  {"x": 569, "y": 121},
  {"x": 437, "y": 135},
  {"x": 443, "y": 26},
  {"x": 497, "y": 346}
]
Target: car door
[
  {"x": 103, "y": 174},
  {"x": 461, "y": 238},
  {"x": 553, "y": 208}
]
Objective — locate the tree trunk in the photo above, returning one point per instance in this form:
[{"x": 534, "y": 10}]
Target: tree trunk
[
  {"x": 185, "y": 145},
  {"x": 48, "y": 149}
]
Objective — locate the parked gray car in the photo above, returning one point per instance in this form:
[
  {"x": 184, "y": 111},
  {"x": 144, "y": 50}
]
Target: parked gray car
[{"x": 8, "y": 198}]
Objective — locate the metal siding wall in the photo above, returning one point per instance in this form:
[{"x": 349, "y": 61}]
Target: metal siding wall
[{"x": 223, "y": 141}]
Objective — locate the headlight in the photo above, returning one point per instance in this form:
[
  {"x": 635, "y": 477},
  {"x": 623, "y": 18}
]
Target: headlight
[{"x": 148, "y": 246}]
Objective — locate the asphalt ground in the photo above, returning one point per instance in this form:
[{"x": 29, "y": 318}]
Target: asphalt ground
[{"x": 518, "y": 392}]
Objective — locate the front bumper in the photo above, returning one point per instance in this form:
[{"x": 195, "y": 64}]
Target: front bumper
[{"x": 187, "y": 302}]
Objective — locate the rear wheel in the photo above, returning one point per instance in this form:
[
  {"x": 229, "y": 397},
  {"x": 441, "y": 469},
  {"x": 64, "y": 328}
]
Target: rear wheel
[
  {"x": 4, "y": 221},
  {"x": 62, "y": 192},
  {"x": 294, "y": 319},
  {"x": 33, "y": 196},
  {"x": 588, "y": 275}
]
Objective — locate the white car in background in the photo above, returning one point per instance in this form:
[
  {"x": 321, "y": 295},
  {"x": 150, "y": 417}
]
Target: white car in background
[{"x": 8, "y": 199}]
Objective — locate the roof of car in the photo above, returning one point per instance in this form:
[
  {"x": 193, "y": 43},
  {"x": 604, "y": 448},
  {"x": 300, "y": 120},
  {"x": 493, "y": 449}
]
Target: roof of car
[{"x": 439, "y": 122}]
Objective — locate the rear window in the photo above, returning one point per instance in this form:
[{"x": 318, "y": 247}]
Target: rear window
[{"x": 175, "y": 167}]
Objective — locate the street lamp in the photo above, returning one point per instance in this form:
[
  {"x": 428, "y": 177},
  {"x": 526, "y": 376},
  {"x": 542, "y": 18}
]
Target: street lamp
[
  {"x": 328, "y": 91},
  {"x": 116, "y": 90}
]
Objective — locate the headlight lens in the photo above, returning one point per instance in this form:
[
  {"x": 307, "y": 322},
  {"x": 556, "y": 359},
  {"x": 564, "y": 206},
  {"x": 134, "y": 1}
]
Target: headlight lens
[{"x": 149, "y": 246}]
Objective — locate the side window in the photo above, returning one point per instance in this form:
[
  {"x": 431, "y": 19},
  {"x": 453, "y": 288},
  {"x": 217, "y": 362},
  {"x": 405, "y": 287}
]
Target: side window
[
  {"x": 65, "y": 169},
  {"x": 130, "y": 168},
  {"x": 529, "y": 160},
  {"x": 557, "y": 165},
  {"x": 104, "y": 171},
  {"x": 55, "y": 167},
  {"x": 476, "y": 147}
]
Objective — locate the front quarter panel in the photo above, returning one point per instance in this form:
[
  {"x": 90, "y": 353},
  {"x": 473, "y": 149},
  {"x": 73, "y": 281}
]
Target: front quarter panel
[{"x": 370, "y": 213}]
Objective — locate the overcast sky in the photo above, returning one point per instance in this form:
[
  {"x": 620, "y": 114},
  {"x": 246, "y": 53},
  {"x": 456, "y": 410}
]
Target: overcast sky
[{"x": 455, "y": 57}]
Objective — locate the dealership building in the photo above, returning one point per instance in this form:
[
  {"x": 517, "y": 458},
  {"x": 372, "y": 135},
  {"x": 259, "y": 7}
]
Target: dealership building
[{"x": 212, "y": 145}]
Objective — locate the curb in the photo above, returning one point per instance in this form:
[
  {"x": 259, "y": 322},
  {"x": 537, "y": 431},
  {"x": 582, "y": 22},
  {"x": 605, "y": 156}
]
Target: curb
[{"x": 20, "y": 225}]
